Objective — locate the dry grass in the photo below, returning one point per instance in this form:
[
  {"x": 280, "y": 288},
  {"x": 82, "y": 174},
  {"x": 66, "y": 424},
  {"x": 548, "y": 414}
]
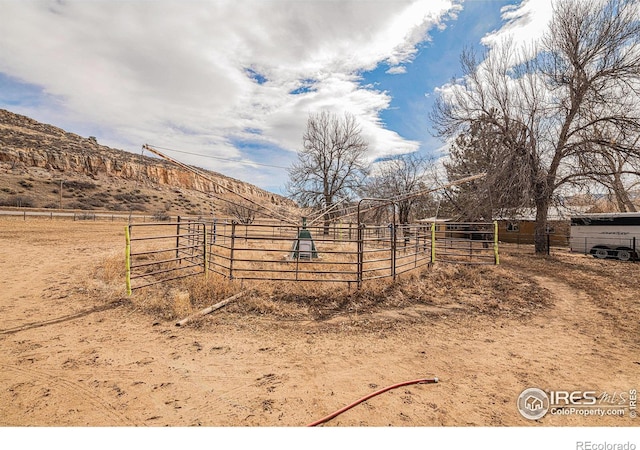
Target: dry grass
[
  {"x": 107, "y": 280},
  {"x": 444, "y": 288},
  {"x": 180, "y": 298}
]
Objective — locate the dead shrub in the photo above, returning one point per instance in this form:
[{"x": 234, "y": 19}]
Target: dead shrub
[
  {"x": 487, "y": 290},
  {"x": 107, "y": 280},
  {"x": 206, "y": 291}
]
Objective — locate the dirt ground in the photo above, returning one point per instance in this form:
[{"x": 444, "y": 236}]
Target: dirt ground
[{"x": 74, "y": 352}]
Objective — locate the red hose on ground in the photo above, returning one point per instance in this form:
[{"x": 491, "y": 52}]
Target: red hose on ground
[{"x": 367, "y": 397}]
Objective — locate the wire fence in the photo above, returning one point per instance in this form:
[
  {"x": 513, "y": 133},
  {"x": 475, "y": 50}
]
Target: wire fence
[
  {"x": 93, "y": 216},
  {"x": 340, "y": 253},
  {"x": 523, "y": 243},
  {"x": 622, "y": 245}
]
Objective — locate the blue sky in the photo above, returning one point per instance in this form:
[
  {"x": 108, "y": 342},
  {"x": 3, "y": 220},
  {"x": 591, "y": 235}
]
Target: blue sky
[
  {"x": 230, "y": 84},
  {"x": 435, "y": 64}
]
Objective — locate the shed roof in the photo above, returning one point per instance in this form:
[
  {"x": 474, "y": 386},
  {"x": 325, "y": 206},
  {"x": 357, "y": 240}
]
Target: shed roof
[{"x": 556, "y": 213}]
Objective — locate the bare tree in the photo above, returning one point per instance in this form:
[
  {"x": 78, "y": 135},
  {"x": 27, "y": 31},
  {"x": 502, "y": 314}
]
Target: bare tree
[
  {"x": 618, "y": 172},
  {"x": 546, "y": 106},
  {"x": 331, "y": 164},
  {"x": 244, "y": 212},
  {"x": 399, "y": 177}
]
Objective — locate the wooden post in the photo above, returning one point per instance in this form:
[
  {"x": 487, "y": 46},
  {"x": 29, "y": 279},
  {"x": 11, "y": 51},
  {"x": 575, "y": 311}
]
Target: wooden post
[{"x": 210, "y": 309}]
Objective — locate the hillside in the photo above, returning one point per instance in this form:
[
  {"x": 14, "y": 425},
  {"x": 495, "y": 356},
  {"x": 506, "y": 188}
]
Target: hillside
[{"x": 43, "y": 166}]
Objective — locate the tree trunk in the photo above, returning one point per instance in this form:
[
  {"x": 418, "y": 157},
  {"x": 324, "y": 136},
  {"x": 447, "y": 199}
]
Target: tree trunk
[
  {"x": 328, "y": 201},
  {"x": 540, "y": 230},
  {"x": 622, "y": 196},
  {"x": 327, "y": 224}
]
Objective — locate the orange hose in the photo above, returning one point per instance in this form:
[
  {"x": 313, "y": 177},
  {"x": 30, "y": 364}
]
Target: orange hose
[{"x": 367, "y": 397}]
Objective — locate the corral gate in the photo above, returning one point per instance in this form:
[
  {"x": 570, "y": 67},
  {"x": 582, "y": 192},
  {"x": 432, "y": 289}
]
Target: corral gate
[{"x": 161, "y": 252}]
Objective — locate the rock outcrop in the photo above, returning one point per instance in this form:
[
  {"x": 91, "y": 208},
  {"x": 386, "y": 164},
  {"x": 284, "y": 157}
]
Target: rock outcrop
[{"x": 26, "y": 143}]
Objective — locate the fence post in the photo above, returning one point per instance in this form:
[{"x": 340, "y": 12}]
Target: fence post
[
  {"x": 360, "y": 244},
  {"x": 206, "y": 255},
  {"x": 548, "y": 243},
  {"x": 297, "y": 247},
  {"x": 415, "y": 258},
  {"x": 394, "y": 235},
  {"x": 433, "y": 242},
  {"x": 178, "y": 241},
  {"x": 496, "y": 255},
  {"x": 233, "y": 240},
  {"x": 127, "y": 257}
]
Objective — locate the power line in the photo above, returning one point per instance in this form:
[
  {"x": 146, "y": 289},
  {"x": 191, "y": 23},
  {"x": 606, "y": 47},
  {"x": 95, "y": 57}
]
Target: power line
[
  {"x": 251, "y": 163},
  {"x": 198, "y": 172}
]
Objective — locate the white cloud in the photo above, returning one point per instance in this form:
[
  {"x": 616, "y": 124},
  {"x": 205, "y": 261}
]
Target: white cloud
[
  {"x": 524, "y": 23},
  {"x": 395, "y": 70},
  {"x": 176, "y": 72}
]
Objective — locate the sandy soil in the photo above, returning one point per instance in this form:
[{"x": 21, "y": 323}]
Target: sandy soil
[{"x": 69, "y": 356}]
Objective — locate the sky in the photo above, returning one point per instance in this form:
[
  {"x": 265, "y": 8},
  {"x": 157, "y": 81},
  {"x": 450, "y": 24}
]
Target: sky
[{"x": 228, "y": 85}]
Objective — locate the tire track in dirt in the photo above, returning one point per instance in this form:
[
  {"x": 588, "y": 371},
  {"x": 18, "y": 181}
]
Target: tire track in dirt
[{"x": 50, "y": 378}]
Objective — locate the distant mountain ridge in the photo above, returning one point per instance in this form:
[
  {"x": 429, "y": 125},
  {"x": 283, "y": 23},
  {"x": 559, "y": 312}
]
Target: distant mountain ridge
[{"x": 27, "y": 145}]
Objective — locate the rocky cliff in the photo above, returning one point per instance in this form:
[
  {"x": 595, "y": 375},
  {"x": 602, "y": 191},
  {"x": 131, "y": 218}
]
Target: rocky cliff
[{"x": 26, "y": 143}]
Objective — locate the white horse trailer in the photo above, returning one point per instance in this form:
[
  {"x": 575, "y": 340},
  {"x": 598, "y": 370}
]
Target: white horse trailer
[{"x": 613, "y": 235}]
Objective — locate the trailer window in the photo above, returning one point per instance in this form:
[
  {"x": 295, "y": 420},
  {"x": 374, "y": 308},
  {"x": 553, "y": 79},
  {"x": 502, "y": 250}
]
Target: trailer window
[{"x": 607, "y": 221}]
